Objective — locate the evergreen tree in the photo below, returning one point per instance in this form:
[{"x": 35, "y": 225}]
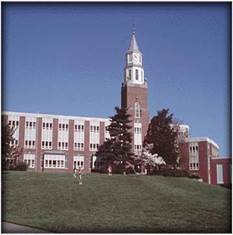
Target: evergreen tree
[
  {"x": 118, "y": 147},
  {"x": 105, "y": 153},
  {"x": 163, "y": 137}
]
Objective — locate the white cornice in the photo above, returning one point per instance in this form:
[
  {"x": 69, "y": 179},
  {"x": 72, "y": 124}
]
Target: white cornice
[
  {"x": 55, "y": 116},
  {"x": 199, "y": 139}
]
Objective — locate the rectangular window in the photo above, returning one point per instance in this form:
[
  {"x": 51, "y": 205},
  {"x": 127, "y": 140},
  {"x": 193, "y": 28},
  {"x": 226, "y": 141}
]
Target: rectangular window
[
  {"x": 130, "y": 74},
  {"x": 193, "y": 162},
  {"x": 79, "y": 128},
  {"x": 30, "y": 160},
  {"x": 54, "y": 161},
  {"x": 78, "y": 161},
  {"x": 94, "y": 129},
  {"x": 63, "y": 145},
  {"x": 79, "y": 146},
  {"x": 136, "y": 75},
  {"x": 219, "y": 168},
  {"x": 29, "y": 143},
  {"x": 94, "y": 147}
]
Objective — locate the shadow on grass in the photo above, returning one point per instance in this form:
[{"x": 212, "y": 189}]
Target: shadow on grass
[{"x": 138, "y": 230}]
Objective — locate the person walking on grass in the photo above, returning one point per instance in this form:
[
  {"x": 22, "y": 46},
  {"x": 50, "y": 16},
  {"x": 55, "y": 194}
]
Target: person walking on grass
[
  {"x": 80, "y": 175},
  {"x": 109, "y": 170},
  {"x": 75, "y": 172}
]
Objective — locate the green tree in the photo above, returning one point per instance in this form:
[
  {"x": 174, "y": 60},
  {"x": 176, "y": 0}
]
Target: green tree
[
  {"x": 105, "y": 153},
  {"x": 9, "y": 151},
  {"x": 117, "y": 149},
  {"x": 163, "y": 137}
]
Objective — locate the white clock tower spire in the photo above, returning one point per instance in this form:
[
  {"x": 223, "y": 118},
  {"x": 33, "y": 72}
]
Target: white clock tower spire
[{"x": 134, "y": 72}]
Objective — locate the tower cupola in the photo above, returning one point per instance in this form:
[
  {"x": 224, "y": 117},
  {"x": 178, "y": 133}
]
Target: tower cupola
[{"x": 134, "y": 72}]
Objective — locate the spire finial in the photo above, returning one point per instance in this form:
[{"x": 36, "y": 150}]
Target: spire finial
[{"x": 134, "y": 28}]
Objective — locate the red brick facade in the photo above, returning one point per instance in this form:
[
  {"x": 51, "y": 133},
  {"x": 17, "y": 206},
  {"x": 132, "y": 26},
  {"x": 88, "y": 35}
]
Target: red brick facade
[
  {"x": 226, "y": 164},
  {"x": 136, "y": 93},
  {"x": 39, "y": 153},
  {"x": 207, "y": 168}
]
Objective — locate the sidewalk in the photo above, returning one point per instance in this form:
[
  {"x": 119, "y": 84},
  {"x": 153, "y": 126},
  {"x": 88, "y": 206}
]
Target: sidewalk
[{"x": 15, "y": 228}]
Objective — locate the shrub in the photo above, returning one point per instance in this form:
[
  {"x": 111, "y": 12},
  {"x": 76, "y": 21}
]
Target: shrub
[
  {"x": 173, "y": 173},
  {"x": 194, "y": 176},
  {"x": 20, "y": 166}
]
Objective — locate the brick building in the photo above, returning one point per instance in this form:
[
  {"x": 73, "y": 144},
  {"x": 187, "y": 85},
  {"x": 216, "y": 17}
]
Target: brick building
[
  {"x": 200, "y": 156},
  {"x": 59, "y": 143}
]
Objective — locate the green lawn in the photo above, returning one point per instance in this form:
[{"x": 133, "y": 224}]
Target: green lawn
[{"x": 117, "y": 203}]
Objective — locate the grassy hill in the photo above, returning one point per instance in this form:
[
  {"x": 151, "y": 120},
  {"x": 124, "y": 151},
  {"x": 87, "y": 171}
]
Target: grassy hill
[{"x": 117, "y": 203}]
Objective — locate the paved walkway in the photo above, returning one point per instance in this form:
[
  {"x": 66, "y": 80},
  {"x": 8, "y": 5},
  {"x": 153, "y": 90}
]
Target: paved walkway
[{"x": 15, "y": 228}]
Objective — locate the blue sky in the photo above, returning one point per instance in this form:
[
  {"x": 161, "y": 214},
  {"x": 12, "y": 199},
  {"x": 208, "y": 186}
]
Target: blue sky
[{"x": 68, "y": 59}]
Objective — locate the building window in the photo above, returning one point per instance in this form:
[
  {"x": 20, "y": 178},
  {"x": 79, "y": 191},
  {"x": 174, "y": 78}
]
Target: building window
[
  {"x": 94, "y": 129},
  {"x": 63, "y": 127},
  {"x": 54, "y": 161},
  {"x": 219, "y": 169},
  {"x": 130, "y": 75},
  {"x": 79, "y": 146},
  {"x": 136, "y": 75},
  {"x": 194, "y": 162},
  {"x": 14, "y": 142},
  {"x": 47, "y": 126},
  {"x": 79, "y": 128},
  {"x": 78, "y": 162},
  {"x": 13, "y": 123},
  {"x": 94, "y": 147},
  {"x": 30, "y": 125},
  {"x": 137, "y": 110},
  {"x": 30, "y": 160},
  {"x": 46, "y": 144},
  {"x": 137, "y": 147},
  {"x": 63, "y": 145},
  {"x": 193, "y": 148},
  {"x": 137, "y": 130},
  {"x": 30, "y": 144}
]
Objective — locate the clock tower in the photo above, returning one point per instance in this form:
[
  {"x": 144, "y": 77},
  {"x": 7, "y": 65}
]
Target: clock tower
[{"x": 134, "y": 94}]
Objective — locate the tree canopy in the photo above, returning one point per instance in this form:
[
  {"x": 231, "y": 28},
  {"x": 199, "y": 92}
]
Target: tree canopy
[
  {"x": 163, "y": 137},
  {"x": 9, "y": 151},
  {"x": 118, "y": 147}
]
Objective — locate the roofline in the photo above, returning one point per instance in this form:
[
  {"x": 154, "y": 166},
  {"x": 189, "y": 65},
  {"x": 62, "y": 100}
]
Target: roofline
[
  {"x": 184, "y": 125},
  {"x": 199, "y": 139},
  {"x": 55, "y": 116},
  {"x": 180, "y": 125},
  {"x": 222, "y": 157}
]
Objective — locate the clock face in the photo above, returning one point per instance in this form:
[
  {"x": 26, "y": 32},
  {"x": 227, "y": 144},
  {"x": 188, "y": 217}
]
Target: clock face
[{"x": 136, "y": 59}]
